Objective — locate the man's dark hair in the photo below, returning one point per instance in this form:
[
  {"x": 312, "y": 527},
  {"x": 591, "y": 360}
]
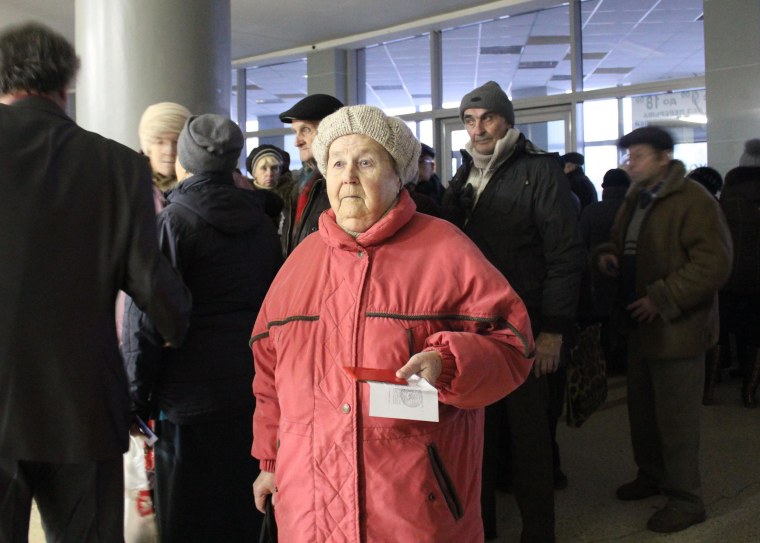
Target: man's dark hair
[{"x": 33, "y": 58}]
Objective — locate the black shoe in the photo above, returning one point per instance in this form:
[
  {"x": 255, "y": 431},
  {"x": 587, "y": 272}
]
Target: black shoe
[
  {"x": 636, "y": 490},
  {"x": 670, "y": 519},
  {"x": 560, "y": 480}
]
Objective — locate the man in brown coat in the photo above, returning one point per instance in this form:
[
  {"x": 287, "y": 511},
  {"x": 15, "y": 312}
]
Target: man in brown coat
[{"x": 671, "y": 251}]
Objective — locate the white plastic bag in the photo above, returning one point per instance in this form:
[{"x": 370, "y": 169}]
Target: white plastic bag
[{"x": 139, "y": 515}]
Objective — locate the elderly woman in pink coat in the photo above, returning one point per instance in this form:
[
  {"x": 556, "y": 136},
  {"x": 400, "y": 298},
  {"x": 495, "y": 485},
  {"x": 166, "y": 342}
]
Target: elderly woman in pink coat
[{"x": 379, "y": 286}]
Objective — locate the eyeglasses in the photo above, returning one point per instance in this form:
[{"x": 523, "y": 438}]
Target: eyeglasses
[{"x": 426, "y": 161}]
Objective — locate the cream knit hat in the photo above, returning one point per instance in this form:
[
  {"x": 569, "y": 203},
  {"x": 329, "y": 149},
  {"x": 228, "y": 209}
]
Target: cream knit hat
[
  {"x": 390, "y": 132},
  {"x": 160, "y": 118},
  {"x": 751, "y": 154}
]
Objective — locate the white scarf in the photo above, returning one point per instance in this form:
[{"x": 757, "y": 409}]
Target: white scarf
[{"x": 483, "y": 166}]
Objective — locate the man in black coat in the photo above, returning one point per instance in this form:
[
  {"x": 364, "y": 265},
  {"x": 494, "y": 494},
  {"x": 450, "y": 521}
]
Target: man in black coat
[
  {"x": 226, "y": 248},
  {"x": 580, "y": 184},
  {"x": 598, "y": 291},
  {"x": 513, "y": 201},
  {"x": 78, "y": 225}
]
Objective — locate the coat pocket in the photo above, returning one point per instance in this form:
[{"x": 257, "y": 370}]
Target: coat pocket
[{"x": 444, "y": 482}]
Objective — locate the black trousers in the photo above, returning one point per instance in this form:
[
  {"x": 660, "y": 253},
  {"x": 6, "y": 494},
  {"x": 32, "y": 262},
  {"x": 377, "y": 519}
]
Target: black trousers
[
  {"x": 557, "y": 383},
  {"x": 78, "y": 503},
  {"x": 518, "y": 443},
  {"x": 204, "y": 479}
]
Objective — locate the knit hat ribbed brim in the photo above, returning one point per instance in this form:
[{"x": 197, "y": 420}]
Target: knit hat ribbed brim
[
  {"x": 159, "y": 119},
  {"x": 490, "y": 97},
  {"x": 751, "y": 154},
  {"x": 390, "y": 132},
  {"x": 209, "y": 143}
]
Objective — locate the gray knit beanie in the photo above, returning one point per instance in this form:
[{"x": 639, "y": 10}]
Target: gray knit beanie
[
  {"x": 390, "y": 132},
  {"x": 209, "y": 143},
  {"x": 751, "y": 154},
  {"x": 490, "y": 97}
]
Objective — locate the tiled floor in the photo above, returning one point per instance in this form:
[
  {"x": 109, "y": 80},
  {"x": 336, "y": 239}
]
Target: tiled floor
[{"x": 597, "y": 458}]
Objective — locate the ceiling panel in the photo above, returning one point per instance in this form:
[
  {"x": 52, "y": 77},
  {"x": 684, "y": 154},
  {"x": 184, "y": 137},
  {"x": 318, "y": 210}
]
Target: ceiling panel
[{"x": 636, "y": 40}]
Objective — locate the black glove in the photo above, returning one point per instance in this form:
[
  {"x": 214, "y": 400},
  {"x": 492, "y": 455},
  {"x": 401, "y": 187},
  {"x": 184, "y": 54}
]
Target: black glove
[{"x": 467, "y": 198}]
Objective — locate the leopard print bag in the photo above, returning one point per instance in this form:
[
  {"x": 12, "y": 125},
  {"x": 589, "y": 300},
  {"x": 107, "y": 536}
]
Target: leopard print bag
[{"x": 586, "y": 377}]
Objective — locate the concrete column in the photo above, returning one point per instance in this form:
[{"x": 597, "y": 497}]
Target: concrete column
[
  {"x": 732, "y": 79},
  {"x": 138, "y": 52},
  {"x": 326, "y": 71}
]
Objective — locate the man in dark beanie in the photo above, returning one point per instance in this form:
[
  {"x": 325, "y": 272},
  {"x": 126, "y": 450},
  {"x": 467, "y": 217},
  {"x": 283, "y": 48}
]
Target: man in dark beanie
[
  {"x": 670, "y": 250},
  {"x": 78, "y": 225},
  {"x": 514, "y": 202},
  {"x": 428, "y": 182},
  {"x": 580, "y": 184},
  {"x": 310, "y": 200},
  {"x": 226, "y": 248}
]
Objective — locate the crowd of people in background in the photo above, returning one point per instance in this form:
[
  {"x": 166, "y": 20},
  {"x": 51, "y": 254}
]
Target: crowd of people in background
[{"x": 244, "y": 295}]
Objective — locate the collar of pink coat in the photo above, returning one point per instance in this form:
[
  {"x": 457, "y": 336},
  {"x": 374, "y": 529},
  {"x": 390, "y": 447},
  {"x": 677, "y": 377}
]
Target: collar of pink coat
[{"x": 393, "y": 221}]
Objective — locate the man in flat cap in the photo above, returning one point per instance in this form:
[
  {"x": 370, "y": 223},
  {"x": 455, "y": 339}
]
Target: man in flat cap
[
  {"x": 580, "y": 184},
  {"x": 514, "y": 202},
  {"x": 670, "y": 250},
  {"x": 311, "y": 198}
]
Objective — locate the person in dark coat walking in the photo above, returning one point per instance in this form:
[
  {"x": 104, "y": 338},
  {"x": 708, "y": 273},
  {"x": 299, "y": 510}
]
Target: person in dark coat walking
[
  {"x": 580, "y": 184},
  {"x": 740, "y": 296},
  {"x": 78, "y": 225},
  {"x": 598, "y": 291},
  {"x": 428, "y": 182},
  {"x": 221, "y": 241}
]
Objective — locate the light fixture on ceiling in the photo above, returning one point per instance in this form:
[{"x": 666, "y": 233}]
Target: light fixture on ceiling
[{"x": 502, "y": 50}]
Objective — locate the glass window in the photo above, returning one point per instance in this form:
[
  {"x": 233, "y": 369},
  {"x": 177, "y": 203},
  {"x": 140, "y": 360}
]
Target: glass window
[
  {"x": 272, "y": 89},
  {"x": 680, "y": 113},
  {"x": 398, "y": 75},
  {"x": 599, "y": 159},
  {"x": 628, "y": 42},
  {"x": 692, "y": 154},
  {"x": 600, "y": 120},
  {"x": 233, "y": 98},
  {"x": 546, "y": 135},
  {"x": 528, "y": 55}
]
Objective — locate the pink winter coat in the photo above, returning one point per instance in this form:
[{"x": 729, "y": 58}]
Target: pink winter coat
[{"x": 408, "y": 284}]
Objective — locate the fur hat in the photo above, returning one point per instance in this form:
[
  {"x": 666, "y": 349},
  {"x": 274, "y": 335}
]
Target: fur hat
[
  {"x": 209, "y": 143},
  {"x": 390, "y": 132},
  {"x": 312, "y": 108},
  {"x": 158, "y": 119},
  {"x": 616, "y": 178},
  {"x": 751, "y": 154},
  {"x": 491, "y": 97},
  {"x": 648, "y": 135}
]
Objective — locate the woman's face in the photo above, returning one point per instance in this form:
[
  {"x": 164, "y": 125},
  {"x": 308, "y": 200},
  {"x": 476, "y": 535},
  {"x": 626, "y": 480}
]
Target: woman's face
[
  {"x": 162, "y": 153},
  {"x": 266, "y": 172},
  {"x": 361, "y": 181}
]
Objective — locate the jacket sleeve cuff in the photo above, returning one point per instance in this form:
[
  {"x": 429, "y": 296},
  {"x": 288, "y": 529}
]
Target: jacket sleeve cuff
[
  {"x": 268, "y": 465},
  {"x": 657, "y": 292},
  {"x": 448, "y": 366}
]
